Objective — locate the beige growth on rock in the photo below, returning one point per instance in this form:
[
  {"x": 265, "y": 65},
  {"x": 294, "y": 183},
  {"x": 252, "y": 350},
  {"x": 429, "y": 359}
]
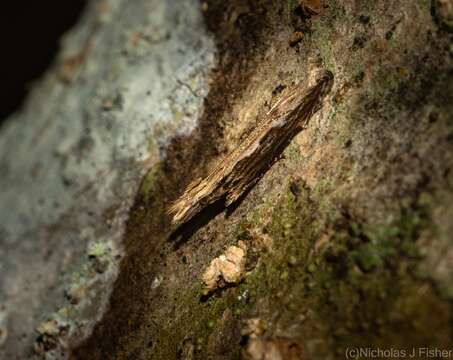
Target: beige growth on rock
[{"x": 228, "y": 268}]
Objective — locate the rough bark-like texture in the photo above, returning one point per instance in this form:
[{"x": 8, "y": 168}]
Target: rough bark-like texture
[
  {"x": 348, "y": 236},
  {"x": 128, "y": 78}
]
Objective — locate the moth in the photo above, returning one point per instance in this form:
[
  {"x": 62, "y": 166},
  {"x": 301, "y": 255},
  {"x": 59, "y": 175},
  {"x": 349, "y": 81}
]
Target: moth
[{"x": 241, "y": 169}]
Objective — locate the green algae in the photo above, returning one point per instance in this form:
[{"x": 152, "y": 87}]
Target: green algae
[{"x": 358, "y": 289}]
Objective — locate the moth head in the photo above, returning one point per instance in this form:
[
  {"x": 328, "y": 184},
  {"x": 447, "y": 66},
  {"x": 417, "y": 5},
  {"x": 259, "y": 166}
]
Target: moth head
[
  {"x": 324, "y": 80},
  {"x": 315, "y": 95}
]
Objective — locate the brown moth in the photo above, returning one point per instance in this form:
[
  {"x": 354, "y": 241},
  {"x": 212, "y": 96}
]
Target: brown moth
[{"x": 249, "y": 161}]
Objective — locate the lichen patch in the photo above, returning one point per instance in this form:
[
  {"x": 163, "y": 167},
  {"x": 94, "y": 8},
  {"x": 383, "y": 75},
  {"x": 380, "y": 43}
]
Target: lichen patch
[{"x": 228, "y": 268}]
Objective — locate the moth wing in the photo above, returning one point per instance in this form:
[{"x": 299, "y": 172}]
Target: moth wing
[
  {"x": 193, "y": 184},
  {"x": 232, "y": 197}
]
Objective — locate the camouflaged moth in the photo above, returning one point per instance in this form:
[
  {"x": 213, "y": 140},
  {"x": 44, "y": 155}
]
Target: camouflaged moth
[{"x": 241, "y": 169}]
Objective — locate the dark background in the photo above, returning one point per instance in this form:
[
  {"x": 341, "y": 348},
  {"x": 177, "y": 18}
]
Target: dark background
[{"x": 29, "y": 40}]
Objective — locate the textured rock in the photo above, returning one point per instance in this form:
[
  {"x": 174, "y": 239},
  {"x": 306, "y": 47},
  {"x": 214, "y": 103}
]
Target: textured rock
[
  {"x": 127, "y": 80},
  {"x": 348, "y": 235}
]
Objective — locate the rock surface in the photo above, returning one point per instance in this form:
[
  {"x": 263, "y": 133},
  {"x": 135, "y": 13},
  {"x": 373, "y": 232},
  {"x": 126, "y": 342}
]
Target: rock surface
[
  {"x": 348, "y": 235},
  {"x": 128, "y": 79}
]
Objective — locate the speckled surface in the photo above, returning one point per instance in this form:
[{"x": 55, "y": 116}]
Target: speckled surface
[
  {"x": 73, "y": 159},
  {"x": 348, "y": 235}
]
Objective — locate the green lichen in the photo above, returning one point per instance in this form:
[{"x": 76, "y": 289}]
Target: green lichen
[
  {"x": 322, "y": 35},
  {"x": 292, "y": 152},
  {"x": 197, "y": 320},
  {"x": 98, "y": 249},
  {"x": 149, "y": 181},
  {"x": 359, "y": 287}
]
